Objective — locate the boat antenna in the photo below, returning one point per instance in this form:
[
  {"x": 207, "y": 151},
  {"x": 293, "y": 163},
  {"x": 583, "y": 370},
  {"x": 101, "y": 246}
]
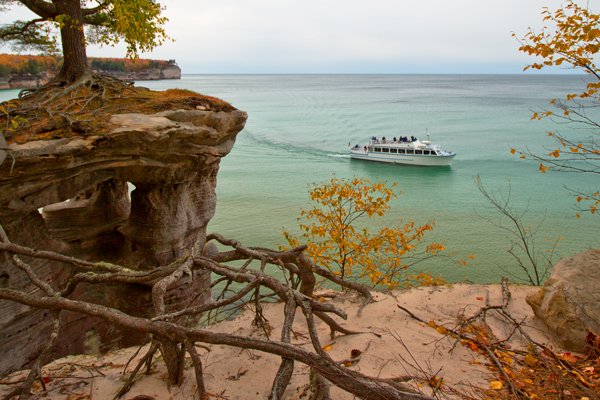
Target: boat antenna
[{"x": 427, "y": 133}]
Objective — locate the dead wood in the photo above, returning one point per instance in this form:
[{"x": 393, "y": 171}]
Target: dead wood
[{"x": 175, "y": 338}]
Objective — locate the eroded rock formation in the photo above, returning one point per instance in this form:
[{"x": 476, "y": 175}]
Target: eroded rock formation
[
  {"x": 82, "y": 183},
  {"x": 569, "y": 301}
]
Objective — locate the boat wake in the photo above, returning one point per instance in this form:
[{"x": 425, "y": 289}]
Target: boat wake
[
  {"x": 292, "y": 147},
  {"x": 338, "y": 155}
]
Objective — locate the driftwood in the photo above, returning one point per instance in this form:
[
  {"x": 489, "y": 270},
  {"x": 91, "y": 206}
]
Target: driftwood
[{"x": 174, "y": 338}]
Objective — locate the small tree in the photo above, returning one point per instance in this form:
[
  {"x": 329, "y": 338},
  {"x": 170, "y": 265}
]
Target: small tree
[
  {"x": 574, "y": 44},
  {"x": 336, "y": 243}
]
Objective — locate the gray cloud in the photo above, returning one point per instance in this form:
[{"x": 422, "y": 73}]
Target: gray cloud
[{"x": 366, "y": 36}]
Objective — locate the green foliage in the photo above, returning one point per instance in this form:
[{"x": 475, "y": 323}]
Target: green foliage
[
  {"x": 107, "y": 64},
  {"x": 137, "y": 22},
  {"x": 335, "y": 242}
]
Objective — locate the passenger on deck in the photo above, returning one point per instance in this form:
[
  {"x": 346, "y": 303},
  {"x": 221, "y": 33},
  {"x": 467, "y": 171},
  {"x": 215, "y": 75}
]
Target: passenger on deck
[
  {"x": 383, "y": 139},
  {"x": 394, "y": 139}
]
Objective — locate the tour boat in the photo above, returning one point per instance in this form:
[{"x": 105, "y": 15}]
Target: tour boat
[{"x": 404, "y": 150}]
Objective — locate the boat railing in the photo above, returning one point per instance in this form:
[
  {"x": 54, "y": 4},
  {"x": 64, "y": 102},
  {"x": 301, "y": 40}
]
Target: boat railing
[{"x": 391, "y": 141}]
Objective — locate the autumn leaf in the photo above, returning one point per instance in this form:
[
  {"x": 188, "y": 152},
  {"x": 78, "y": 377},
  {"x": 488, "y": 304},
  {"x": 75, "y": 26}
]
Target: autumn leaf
[
  {"x": 328, "y": 347},
  {"x": 530, "y": 360},
  {"x": 441, "y": 330},
  {"x": 497, "y": 385}
]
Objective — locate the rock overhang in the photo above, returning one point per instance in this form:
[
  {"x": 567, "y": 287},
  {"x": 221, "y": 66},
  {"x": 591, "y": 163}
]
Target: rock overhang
[{"x": 80, "y": 180}]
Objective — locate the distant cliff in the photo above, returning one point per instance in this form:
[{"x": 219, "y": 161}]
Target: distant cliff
[{"x": 20, "y": 72}]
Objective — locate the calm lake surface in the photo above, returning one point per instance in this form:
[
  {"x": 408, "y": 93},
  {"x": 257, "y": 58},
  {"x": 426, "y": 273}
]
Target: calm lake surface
[{"x": 298, "y": 132}]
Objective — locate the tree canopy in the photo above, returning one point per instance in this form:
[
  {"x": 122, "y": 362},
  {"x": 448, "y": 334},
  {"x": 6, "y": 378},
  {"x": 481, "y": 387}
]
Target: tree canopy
[
  {"x": 336, "y": 242},
  {"x": 136, "y": 22}
]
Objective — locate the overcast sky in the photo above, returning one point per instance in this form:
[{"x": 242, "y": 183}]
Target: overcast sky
[{"x": 350, "y": 36}]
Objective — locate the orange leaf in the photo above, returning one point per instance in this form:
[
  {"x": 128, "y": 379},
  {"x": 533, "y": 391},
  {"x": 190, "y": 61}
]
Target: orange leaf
[{"x": 497, "y": 385}]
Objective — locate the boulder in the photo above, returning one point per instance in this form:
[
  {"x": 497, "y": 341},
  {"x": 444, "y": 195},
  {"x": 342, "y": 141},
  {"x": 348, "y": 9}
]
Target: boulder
[
  {"x": 569, "y": 301},
  {"x": 140, "y": 194}
]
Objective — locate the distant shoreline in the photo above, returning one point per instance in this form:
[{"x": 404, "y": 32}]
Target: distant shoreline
[
  {"x": 29, "y": 81},
  {"x": 29, "y": 71}
]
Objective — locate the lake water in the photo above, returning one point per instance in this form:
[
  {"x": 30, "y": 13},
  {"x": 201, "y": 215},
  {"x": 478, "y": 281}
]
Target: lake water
[{"x": 298, "y": 131}]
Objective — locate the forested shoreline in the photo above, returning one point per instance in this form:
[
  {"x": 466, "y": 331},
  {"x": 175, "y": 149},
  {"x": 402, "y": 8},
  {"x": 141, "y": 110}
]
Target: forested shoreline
[{"x": 27, "y": 71}]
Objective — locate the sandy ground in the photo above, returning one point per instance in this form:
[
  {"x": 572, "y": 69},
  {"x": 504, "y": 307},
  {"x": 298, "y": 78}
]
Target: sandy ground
[{"x": 406, "y": 347}]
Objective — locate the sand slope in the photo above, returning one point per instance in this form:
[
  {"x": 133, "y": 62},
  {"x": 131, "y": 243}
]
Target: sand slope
[{"x": 406, "y": 347}]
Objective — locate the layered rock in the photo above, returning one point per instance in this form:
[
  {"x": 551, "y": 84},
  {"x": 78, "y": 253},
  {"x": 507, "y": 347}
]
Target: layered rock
[
  {"x": 148, "y": 74},
  {"x": 569, "y": 301},
  {"x": 82, "y": 184},
  {"x": 25, "y": 81}
]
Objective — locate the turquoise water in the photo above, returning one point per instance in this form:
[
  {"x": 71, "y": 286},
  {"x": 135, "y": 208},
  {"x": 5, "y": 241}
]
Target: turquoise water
[{"x": 298, "y": 132}]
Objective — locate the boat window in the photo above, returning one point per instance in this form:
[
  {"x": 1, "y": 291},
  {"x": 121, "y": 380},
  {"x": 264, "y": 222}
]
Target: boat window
[
  {"x": 401, "y": 151},
  {"x": 384, "y": 150},
  {"x": 438, "y": 153},
  {"x": 418, "y": 151},
  {"x": 394, "y": 151},
  {"x": 377, "y": 149},
  {"x": 426, "y": 152},
  {"x": 410, "y": 151}
]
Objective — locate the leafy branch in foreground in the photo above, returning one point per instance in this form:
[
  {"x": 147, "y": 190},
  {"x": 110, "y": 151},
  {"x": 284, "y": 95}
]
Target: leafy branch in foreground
[
  {"x": 534, "y": 263},
  {"x": 335, "y": 242},
  {"x": 574, "y": 44}
]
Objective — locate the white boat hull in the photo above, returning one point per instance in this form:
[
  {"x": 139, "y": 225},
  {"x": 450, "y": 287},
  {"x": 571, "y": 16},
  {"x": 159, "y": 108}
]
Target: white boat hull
[
  {"x": 421, "y": 160},
  {"x": 403, "y": 151}
]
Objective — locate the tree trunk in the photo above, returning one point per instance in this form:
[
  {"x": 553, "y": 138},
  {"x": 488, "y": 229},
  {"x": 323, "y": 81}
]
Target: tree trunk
[{"x": 73, "y": 41}]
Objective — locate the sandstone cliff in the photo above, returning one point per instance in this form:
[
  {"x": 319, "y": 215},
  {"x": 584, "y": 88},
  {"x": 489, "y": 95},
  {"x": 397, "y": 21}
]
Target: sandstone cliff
[{"x": 79, "y": 175}]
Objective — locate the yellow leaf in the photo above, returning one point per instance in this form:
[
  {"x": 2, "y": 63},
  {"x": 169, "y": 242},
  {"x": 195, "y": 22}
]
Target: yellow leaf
[
  {"x": 328, "y": 347},
  {"x": 441, "y": 330},
  {"x": 496, "y": 385},
  {"x": 513, "y": 151},
  {"x": 530, "y": 360},
  {"x": 432, "y": 324}
]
